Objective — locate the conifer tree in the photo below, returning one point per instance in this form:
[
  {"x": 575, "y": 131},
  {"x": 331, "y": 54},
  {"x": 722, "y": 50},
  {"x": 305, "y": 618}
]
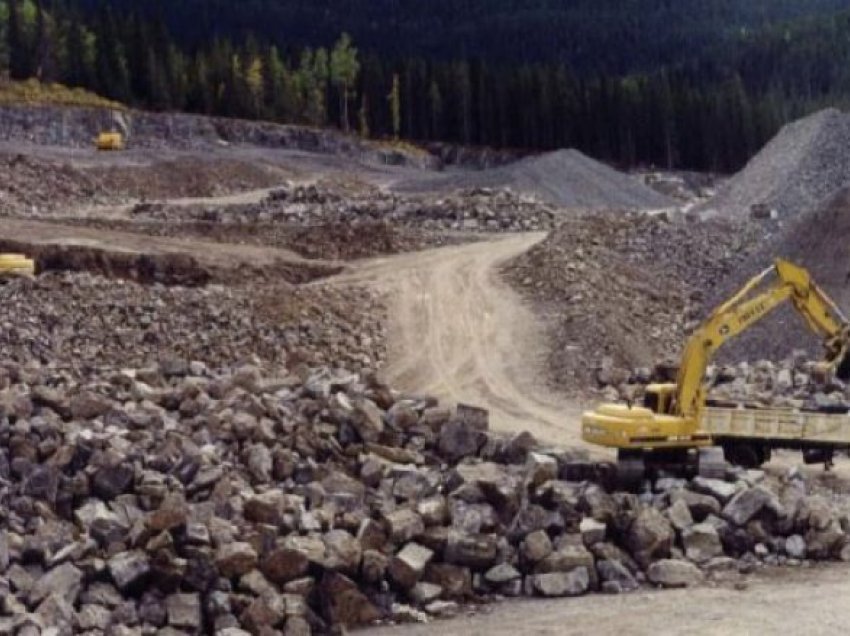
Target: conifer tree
[
  {"x": 344, "y": 70},
  {"x": 394, "y": 99}
]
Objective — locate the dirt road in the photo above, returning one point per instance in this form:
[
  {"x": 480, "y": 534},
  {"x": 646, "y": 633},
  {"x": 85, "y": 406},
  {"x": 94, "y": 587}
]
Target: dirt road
[
  {"x": 460, "y": 333},
  {"x": 811, "y": 602}
]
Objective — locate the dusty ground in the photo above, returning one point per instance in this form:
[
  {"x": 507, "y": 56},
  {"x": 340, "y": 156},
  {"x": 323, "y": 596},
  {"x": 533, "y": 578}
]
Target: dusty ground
[
  {"x": 785, "y": 601},
  {"x": 459, "y": 332}
]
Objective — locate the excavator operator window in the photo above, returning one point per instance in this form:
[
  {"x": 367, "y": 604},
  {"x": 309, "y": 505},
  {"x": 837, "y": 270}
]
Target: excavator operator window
[{"x": 651, "y": 401}]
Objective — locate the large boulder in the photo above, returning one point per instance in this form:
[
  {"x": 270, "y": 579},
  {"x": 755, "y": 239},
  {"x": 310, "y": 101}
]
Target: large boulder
[
  {"x": 674, "y": 573},
  {"x": 408, "y": 566},
  {"x": 699, "y": 505},
  {"x": 650, "y": 536},
  {"x": 616, "y": 577},
  {"x": 342, "y": 602},
  {"x": 459, "y": 439},
  {"x": 721, "y": 490},
  {"x": 749, "y": 503},
  {"x": 701, "y": 542},
  {"x": 477, "y": 551},
  {"x": 64, "y": 580},
  {"x": 556, "y": 584}
]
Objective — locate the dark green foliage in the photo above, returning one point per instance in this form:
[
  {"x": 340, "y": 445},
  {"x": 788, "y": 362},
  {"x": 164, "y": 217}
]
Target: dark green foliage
[{"x": 698, "y": 84}]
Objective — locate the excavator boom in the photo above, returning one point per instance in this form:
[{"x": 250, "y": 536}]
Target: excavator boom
[{"x": 743, "y": 310}]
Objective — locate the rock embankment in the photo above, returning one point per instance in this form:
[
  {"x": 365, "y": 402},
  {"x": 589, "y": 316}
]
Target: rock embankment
[
  {"x": 625, "y": 287},
  {"x": 471, "y": 210},
  {"x": 77, "y": 128},
  {"x": 82, "y": 323}
]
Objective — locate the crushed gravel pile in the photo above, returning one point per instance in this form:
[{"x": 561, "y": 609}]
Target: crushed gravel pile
[
  {"x": 808, "y": 160},
  {"x": 620, "y": 291},
  {"x": 566, "y": 178},
  {"x": 84, "y": 322}
]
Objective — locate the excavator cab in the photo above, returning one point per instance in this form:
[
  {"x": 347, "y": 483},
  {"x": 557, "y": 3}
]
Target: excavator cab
[{"x": 659, "y": 398}]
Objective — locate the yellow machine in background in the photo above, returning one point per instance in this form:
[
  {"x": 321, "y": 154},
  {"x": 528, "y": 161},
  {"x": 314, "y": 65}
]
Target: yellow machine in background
[
  {"x": 16, "y": 265},
  {"x": 109, "y": 141},
  {"x": 675, "y": 426}
]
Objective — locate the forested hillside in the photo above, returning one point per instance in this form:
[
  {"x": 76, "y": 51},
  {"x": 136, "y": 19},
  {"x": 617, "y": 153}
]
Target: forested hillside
[
  {"x": 698, "y": 84},
  {"x": 606, "y": 36}
]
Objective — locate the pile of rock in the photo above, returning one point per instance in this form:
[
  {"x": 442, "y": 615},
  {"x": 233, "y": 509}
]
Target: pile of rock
[
  {"x": 475, "y": 210},
  {"x": 625, "y": 286},
  {"x": 804, "y": 163},
  {"x": 84, "y": 322},
  {"x": 566, "y": 178},
  {"x": 34, "y": 186},
  {"x": 796, "y": 383},
  {"x": 254, "y": 501}
]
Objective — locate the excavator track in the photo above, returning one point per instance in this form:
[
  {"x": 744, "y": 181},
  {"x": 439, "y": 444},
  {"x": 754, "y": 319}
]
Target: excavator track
[
  {"x": 711, "y": 462},
  {"x": 631, "y": 469},
  {"x": 635, "y": 466}
]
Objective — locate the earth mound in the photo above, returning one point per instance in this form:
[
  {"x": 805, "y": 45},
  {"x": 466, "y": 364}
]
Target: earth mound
[{"x": 565, "y": 177}]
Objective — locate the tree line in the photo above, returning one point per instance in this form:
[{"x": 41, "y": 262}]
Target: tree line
[{"x": 708, "y": 114}]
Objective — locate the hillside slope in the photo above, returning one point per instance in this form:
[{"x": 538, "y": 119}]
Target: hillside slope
[{"x": 594, "y": 36}]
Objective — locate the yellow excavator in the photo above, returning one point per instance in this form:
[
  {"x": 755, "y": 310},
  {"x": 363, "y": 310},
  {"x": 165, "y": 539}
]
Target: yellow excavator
[
  {"x": 16, "y": 265},
  {"x": 676, "y": 427},
  {"x": 109, "y": 141}
]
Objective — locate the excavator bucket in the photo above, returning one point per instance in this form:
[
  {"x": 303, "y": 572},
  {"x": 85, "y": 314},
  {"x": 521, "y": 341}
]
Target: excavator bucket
[{"x": 842, "y": 369}]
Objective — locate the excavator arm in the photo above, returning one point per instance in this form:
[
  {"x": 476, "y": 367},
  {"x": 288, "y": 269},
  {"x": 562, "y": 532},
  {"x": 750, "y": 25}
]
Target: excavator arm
[{"x": 744, "y": 309}]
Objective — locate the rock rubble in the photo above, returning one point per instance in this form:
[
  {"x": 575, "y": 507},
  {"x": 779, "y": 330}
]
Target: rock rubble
[
  {"x": 793, "y": 383},
  {"x": 83, "y": 322},
  {"x": 251, "y": 500},
  {"x": 473, "y": 210},
  {"x": 622, "y": 290}
]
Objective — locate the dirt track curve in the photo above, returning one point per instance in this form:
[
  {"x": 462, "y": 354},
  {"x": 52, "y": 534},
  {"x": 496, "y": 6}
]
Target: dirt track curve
[{"x": 459, "y": 332}]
